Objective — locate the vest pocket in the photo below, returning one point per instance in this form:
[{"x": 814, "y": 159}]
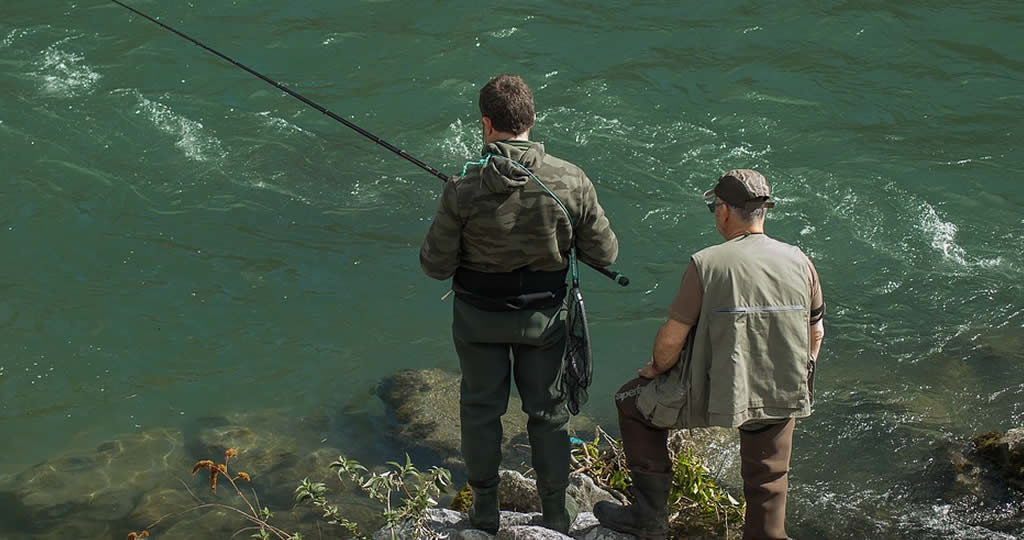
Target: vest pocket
[
  {"x": 759, "y": 359},
  {"x": 664, "y": 400}
]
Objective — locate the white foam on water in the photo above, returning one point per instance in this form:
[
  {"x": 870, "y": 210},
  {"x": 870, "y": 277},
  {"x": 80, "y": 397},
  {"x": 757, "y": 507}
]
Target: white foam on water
[
  {"x": 461, "y": 143},
  {"x": 949, "y": 522},
  {"x": 281, "y": 124},
  {"x": 1019, "y": 389},
  {"x": 12, "y": 36},
  {"x": 504, "y": 33},
  {"x": 967, "y": 161},
  {"x": 547, "y": 77},
  {"x": 943, "y": 240},
  {"x": 64, "y": 73},
  {"x": 192, "y": 140},
  {"x": 584, "y": 126},
  {"x": 747, "y": 151},
  {"x": 335, "y": 37}
]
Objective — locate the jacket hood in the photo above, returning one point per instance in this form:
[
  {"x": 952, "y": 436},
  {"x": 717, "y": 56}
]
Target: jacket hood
[{"x": 501, "y": 175}]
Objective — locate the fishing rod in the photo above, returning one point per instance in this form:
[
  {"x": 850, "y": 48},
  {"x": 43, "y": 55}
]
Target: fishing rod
[{"x": 614, "y": 276}]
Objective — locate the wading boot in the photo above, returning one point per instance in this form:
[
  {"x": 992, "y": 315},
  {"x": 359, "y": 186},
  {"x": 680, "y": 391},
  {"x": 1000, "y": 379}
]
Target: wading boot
[
  {"x": 646, "y": 518},
  {"x": 484, "y": 514},
  {"x": 559, "y": 512}
]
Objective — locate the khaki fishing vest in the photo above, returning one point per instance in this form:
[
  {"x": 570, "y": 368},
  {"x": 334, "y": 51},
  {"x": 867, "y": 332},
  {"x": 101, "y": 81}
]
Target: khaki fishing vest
[{"x": 748, "y": 357}]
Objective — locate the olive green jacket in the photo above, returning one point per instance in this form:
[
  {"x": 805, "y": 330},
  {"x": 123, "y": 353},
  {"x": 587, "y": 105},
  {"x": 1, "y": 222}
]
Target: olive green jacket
[
  {"x": 748, "y": 358},
  {"x": 497, "y": 219}
]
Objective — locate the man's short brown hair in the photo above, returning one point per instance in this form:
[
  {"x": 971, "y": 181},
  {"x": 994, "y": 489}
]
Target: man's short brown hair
[{"x": 508, "y": 102}]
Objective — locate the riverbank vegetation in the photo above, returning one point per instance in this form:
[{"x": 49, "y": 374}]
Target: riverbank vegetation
[{"x": 404, "y": 495}]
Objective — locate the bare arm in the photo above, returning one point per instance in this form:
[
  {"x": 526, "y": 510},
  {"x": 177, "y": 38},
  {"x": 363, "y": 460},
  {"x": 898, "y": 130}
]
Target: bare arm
[
  {"x": 817, "y": 335},
  {"x": 668, "y": 344}
]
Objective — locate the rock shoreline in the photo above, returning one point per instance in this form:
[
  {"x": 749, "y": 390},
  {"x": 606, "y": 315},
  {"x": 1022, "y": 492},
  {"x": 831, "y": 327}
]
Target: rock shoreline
[{"x": 128, "y": 484}]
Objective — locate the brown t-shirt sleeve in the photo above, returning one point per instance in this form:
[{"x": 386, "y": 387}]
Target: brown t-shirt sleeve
[
  {"x": 817, "y": 300},
  {"x": 685, "y": 307}
]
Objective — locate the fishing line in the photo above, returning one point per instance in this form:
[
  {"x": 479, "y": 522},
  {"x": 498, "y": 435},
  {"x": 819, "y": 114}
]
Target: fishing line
[
  {"x": 294, "y": 94},
  {"x": 614, "y": 276}
]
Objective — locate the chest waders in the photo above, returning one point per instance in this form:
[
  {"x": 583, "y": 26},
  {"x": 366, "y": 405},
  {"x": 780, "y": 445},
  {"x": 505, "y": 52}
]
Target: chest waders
[{"x": 578, "y": 366}]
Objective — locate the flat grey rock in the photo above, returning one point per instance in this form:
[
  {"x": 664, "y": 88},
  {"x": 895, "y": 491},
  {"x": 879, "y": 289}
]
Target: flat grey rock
[
  {"x": 529, "y": 532},
  {"x": 519, "y": 493},
  {"x": 514, "y": 526}
]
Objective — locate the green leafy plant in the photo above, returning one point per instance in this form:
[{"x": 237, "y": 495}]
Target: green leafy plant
[
  {"x": 605, "y": 463},
  {"x": 406, "y": 493},
  {"x": 696, "y": 501},
  {"x": 696, "y": 496}
]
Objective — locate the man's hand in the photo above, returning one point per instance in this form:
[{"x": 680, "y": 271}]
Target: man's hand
[{"x": 648, "y": 371}]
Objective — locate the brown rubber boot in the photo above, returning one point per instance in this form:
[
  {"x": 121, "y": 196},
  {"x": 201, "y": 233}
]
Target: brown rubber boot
[{"x": 647, "y": 518}]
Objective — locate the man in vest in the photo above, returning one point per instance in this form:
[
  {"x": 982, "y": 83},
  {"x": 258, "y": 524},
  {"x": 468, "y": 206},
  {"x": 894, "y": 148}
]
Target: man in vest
[
  {"x": 504, "y": 240},
  {"x": 738, "y": 350}
]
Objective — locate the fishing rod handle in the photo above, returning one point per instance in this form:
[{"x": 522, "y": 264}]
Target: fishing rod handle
[{"x": 617, "y": 277}]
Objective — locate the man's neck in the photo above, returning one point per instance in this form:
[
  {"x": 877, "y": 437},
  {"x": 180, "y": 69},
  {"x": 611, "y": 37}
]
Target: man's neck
[
  {"x": 506, "y": 136},
  {"x": 746, "y": 230}
]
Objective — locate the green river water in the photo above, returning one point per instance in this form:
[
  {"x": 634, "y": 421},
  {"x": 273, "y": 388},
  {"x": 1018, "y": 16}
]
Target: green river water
[{"x": 180, "y": 239}]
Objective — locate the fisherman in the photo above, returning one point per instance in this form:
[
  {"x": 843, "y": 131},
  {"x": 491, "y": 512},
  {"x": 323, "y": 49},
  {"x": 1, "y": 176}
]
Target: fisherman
[
  {"x": 738, "y": 350},
  {"x": 505, "y": 241}
]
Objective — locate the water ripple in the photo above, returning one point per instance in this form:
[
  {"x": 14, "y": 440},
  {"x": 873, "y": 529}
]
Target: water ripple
[
  {"x": 943, "y": 239},
  {"x": 65, "y": 74},
  {"x": 193, "y": 140}
]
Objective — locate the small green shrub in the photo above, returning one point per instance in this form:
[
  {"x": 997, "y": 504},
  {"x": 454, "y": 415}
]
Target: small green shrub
[
  {"x": 696, "y": 501},
  {"x": 406, "y": 493}
]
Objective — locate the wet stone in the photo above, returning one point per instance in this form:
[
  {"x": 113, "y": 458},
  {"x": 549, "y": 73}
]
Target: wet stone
[
  {"x": 71, "y": 529},
  {"x": 1006, "y": 452},
  {"x": 215, "y": 523},
  {"x": 425, "y": 403},
  {"x": 514, "y": 526},
  {"x": 102, "y": 485},
  {"x": 259, "y": 450},
  {"x": 154, "y": 507},
  {"x": 518, "y": 493}
]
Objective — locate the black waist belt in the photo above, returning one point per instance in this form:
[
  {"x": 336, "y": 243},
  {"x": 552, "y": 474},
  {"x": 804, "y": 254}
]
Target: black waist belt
[{"x": 510, "y": 291}]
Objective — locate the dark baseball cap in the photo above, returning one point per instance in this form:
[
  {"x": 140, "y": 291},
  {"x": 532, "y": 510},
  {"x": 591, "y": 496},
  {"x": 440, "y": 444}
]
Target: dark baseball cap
[{"x": 743, "y": 188}]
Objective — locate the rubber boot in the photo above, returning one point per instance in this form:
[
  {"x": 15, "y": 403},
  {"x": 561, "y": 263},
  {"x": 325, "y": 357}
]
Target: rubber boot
[
  {"x": 485, "y": 514},
  {"x": 646, "y": 518},
  {"x": 559, "y": 511}
]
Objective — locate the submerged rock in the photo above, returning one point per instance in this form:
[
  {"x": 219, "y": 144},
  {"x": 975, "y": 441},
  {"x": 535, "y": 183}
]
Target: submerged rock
[
  {"x": 980, "y": 480},
  {"x": 99, "y": 486},
  {"x": 425, "y": 403},
  {"x": 143, "y": 479},
  {"x": 1006, "y": 452}
]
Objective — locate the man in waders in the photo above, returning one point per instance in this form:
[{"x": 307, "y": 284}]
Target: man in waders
[
  {"x": 505, "y": 241},
  {"x": 738, "y": 350}
]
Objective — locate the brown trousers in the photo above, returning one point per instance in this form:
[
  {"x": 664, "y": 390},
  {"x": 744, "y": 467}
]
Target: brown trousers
[{"x": 764, "y": 456}]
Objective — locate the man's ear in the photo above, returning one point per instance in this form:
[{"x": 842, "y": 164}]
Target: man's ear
[{"x": 488, "y": 126}]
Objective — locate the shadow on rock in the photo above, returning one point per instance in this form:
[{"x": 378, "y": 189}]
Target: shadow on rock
[{"x": 425, "y": 403}]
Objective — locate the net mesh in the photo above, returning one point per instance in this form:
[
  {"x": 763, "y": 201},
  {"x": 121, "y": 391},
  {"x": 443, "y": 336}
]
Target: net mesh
[{"x": 578, "y": 367}]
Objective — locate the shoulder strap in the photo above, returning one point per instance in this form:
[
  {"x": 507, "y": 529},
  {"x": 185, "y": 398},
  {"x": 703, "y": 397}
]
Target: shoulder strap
[{"x": 573, "y": 268}]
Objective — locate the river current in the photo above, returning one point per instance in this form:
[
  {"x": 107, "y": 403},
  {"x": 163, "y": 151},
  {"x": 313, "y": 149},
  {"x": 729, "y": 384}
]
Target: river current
[{"x": 181, "y": 239}]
